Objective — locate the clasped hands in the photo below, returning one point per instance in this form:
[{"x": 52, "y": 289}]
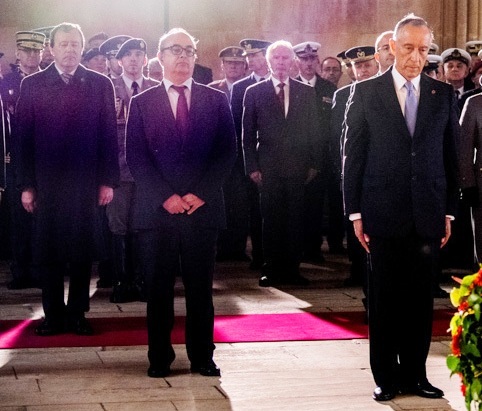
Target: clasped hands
[{"x": 185, "y": 204}]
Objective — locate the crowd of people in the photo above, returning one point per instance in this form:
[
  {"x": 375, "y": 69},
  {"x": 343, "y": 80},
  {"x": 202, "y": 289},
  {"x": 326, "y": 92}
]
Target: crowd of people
[{"x": 155, "y": 171}]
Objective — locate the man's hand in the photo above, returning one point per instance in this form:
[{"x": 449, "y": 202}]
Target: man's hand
[
  {"x": 448, "y": 232},
  {"x": 29, "y": 197},
  {"x": 106, "y": 194},
  {"x": 175, "y": 205},
  {"x": 194, "y": 202},
  {"x": 362, "y": 237},
  {"x": 257, "y": 178}
]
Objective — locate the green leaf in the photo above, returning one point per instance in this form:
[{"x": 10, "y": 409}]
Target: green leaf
[{"x": 453, "y": 362}]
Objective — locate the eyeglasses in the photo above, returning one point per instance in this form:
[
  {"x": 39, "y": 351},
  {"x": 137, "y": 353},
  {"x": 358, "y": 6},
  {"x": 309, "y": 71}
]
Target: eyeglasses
[{"x": 177, "y": 50}]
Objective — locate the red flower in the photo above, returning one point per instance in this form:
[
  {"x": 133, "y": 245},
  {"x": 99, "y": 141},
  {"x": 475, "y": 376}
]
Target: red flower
[
  {"x": 464, "y": 306},
  {"x": 478, "y": 279},
  {"x": 456, "y": 342},
  {"x": 463, "y": 388}
]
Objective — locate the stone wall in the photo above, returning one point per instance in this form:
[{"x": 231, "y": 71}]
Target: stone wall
[{"x": 336, "y": 24}]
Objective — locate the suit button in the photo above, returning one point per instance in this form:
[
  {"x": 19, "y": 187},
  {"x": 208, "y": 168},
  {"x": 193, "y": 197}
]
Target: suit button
[
  {"x": 414, "y": 178},
  {"x": 413, "y": 154}
]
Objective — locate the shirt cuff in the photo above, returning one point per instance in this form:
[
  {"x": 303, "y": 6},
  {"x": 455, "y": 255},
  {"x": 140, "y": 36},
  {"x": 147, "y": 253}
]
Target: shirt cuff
[{"x": 354, "y": 216}]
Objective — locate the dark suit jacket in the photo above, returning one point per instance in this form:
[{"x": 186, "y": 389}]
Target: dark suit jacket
[
  {"x": 324, "y": 90},
  {"x": 5, "y": 128},
  {"x": 162, "y": 164},
  {"x": 67, "y": 148},
  {"x": 471, "y": 144},
  {"x": 237, "y": 97},
  {"x": 274, "y": 144},
  {"x": 396, "y": 181}
]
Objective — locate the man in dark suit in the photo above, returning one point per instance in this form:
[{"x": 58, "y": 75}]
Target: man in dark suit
[
  {"x": 180, "y": 147},
  {"x": 281, "y": 152},
  {"x": 471, "y": 164},
  {"x": 249, "y": 214},
  {"x": 307, "y": 61},
  {"x": 400, "y": 191},
  {"x": 67, "y": 168}
]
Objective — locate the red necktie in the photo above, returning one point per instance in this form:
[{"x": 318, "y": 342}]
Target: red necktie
[{"x": 182, "y": 119}]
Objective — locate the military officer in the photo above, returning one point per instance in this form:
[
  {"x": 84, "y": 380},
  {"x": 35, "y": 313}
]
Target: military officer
[
  {"x": 109, "y": 48},
  {"x": 233, "y": 65},
  {"x": 132, "y": 58}
]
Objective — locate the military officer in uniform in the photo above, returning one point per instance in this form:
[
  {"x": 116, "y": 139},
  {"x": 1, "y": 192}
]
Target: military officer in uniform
[
  {"x": 30, "y": 45},
  {"x": 308, "y": 61},
  {"x": 233, "y": 65},
  {"x": 255, "y": 54},
  {"x": 110, "y": 47},
  {"x": 95, "y": 60},
  {"x": 132, "y": 58}
]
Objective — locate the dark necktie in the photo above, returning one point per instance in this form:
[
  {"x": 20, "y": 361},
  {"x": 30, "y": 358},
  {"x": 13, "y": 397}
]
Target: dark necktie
[
  {"x": 281, "y": 95},
  {"x": 135, "y": 88},
  {"x": 67, "y": 78},
  {"x": 411, "y": 105},
  {"x": 457, "y": 94},
  {"x": 181, "y": 111}
]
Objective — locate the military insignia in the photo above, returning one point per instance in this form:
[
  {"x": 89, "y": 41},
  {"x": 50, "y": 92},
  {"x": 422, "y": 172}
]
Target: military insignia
[
  {"x": 247, "y": 46},
  {"x": 434, "y": 92},
  {"x": 142, "y": 46},
  {"x": 360, "y": 54},
  {"x": 456, "y": 53}
]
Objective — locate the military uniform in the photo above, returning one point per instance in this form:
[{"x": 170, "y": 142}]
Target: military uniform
[
  {"x": 14, "y": 218},
  {"x": 119, "y": 212}
]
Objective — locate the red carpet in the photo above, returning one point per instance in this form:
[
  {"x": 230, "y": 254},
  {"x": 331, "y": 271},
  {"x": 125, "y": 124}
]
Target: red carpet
[{"x": 228, "y": 328}]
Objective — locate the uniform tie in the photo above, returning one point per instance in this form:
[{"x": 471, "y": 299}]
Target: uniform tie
[
  {"x": 411, "y": 105},
  {"x": 135, "y": 88},
  {"x": 182, "y": 111},
  {"x": 67, "y": 78}
]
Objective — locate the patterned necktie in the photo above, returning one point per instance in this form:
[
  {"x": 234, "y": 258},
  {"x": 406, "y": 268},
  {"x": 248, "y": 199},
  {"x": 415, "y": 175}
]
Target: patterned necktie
[
  {"x": 182, "y": 111},
  {"x": 281, "y": 95},
  {"x": 135, "y": 88},
  {"x": 67, "y": 78},
  {"x": 411, "y": 105}
]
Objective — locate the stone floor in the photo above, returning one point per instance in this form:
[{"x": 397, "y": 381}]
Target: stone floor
[{"x": 305, "y": 376}]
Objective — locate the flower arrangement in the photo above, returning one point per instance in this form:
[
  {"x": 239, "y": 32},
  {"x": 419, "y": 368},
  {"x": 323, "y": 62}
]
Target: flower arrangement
[{"x": 466, "y": 329}]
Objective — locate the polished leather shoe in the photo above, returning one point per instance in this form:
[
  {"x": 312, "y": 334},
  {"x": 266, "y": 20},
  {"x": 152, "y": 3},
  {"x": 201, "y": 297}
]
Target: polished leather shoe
[
  {"x": 265, "y": 281},
  {"x": 158, "y": 372},
  {"x": 423, "y": 389},
  {"x": 383, "y": 394},
  {"x": 49, "y": 327},
  {"x": 81, "y": 326},
  {"x": 208, "y": 370}
]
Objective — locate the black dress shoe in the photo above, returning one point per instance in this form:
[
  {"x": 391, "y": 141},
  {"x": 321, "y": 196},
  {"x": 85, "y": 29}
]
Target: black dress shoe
[
  {"x": 208, "y": 370},
  {"x": 49, "y": 327},
  {"x": 81, "y": 326},
  {"x": 265, "y": 281},
  {"x": 423, "y": 389},
  {"x": 158, "y": 372},
  {"x": 383, "y": 394}
]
